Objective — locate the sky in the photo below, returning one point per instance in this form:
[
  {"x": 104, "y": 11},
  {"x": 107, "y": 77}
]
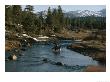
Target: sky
[{"x": 67, "y": 8}]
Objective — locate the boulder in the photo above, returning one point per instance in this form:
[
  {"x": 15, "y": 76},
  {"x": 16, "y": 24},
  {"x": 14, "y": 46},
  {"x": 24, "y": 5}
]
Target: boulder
[
  {"x": 59, "y": 63},
  {"x": 45, "y": 60},
  {"x": 12, "y": 57}
]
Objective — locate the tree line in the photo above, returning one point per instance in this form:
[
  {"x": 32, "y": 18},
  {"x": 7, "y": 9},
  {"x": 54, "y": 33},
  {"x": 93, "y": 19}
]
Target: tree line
[{"x": 54, "y": 21}]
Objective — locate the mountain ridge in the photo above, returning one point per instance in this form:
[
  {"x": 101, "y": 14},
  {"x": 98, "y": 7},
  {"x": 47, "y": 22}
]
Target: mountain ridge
[
  {"x": 79, "y": 13},
  {"x": 84, "y": 13}
]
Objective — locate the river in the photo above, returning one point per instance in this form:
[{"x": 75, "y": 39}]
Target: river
[{"x": 40, "y": 58}]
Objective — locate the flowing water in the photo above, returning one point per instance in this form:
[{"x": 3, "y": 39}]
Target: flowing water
[{"x": 41, "y": 58}]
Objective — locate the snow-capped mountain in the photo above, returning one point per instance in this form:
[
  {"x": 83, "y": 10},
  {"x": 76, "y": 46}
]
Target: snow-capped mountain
[
  {"x": 79, "y": 13},
  {"x": 84, "y": 13},
  {"x": 89, "y": 13}
]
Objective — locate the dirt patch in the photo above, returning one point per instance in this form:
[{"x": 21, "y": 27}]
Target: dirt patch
[{"x": 95, "y": 69}]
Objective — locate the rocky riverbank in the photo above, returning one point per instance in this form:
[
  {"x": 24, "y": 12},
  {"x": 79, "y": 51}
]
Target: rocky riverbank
[
  {"x": 96, "y": 53},
  {"x": 16, "y": 42}
]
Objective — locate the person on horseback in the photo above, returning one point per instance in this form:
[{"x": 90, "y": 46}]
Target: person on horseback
[{"x": 56, "y": 47}]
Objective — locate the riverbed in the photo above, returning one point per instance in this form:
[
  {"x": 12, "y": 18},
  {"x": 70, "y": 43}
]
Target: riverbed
[{"x": 40, "y": 58}]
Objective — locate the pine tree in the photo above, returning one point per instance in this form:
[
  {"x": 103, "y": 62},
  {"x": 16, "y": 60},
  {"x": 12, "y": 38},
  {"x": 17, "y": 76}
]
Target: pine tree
[
  {"x": 60, "y": 17},
  {"x": 29, "y": 19},
  {"x": 60, "y": 14},
  {"x": 55, "y": 21},
  {"x": 49, "y": 18},
  {"x": 17, "y": 11},
  {"x": 8, "y": 13}
]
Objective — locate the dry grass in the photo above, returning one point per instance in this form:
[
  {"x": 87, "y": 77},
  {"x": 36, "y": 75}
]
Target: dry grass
[{"x": 11, "y": 44}]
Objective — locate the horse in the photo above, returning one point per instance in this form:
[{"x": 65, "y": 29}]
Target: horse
[{"x": 56, "y": 49}]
